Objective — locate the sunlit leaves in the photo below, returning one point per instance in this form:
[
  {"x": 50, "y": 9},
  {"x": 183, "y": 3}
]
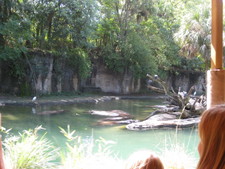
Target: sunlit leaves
[{"x": 194, "y": 33}]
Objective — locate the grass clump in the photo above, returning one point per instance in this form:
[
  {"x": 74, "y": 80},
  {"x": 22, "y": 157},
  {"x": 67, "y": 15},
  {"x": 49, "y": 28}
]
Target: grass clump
[
  {"x": 87, "y": 153},
  {"x": 175, "y": 157},
  {"x": 29, "y": 151}
]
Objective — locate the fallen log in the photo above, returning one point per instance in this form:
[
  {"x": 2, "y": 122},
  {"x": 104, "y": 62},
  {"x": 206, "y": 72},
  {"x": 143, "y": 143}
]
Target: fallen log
[
  {"x": 50, "y": 112},
  {"x": 110, "y": 123}
]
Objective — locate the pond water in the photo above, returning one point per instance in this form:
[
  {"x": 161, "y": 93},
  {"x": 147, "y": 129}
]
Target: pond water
[{"x": 20, "y": 118}]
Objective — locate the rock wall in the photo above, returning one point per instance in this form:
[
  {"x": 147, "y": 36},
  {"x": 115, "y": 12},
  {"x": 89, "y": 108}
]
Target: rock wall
[
  {"x": 186, "y": 80},
  {"x": 51, "y": 74},
  {"x": 110, "y": 82},
  {"x": 41, "y": 72},
  {"x": 47, "y": 73}
]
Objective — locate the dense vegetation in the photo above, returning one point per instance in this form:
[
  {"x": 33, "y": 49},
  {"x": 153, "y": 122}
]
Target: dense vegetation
[{"x": 138, "y": 36}]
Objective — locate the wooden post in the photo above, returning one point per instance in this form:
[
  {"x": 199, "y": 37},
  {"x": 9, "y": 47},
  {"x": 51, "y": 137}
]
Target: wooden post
[
  {"x": 216, "y": 75},
  {"x": 217, "y": 35},
  {"x": 2, "y": 166}
]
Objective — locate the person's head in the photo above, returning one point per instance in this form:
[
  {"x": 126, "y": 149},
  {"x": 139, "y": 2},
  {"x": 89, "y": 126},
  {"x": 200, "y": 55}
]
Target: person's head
[
  {"x": 212, "y": 138},
  {"x": 143, "y": 160}
]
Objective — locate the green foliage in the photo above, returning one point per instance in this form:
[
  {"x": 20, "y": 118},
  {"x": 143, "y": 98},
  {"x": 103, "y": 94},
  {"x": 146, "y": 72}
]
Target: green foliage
[
  {"x": 160, "y": 41},
  {"x": 190, "y": 65},
  {"x": 79, "y": 60},
  {"x": 81, "y": 153},
  {"x": 131, "y": 36},
  {"x": 29, "y": 151},
  {"x": 24, "y": 89},
  {"x": 138, "y": 45},
  {"x": 194, "y": 34},
  {"x": 61, "y": 25},
  {"x": 107, "y": 32},
  {"x": 133, "y": 55},
  {"x": 140, "y": 58},
  {"x": 123, "y": 49},
  {"x": 15, "y": 33},
  {"x": 9, "y": 53}
]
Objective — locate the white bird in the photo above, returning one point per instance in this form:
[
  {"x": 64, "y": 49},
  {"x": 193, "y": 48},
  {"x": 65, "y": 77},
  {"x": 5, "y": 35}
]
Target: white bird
[
  {"x": 156, "y": 76},
  {"x": 183, "y": 94},
  {"x": 34, "y": 110},
  {"x": 34, "y": 99}
]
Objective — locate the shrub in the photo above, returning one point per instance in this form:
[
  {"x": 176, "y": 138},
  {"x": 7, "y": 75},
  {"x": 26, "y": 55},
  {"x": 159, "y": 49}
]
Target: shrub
[
  {"x": 87, "y": 153},
  {"x": 29, "y": 151}
]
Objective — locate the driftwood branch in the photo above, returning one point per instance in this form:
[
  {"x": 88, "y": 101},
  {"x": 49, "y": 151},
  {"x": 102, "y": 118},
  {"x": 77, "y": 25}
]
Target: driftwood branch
[
  {"x": 159, "y": 81},
  {"x": 185, "y": 100},
  {"x": 156, "y": 89}
]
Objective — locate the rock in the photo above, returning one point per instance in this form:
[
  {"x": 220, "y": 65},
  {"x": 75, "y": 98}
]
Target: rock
[
  {"x": 163, "y": 122},
  {"x": 2, "y": 104},
  {"x": 113, "y": 117},
  {"x": 111, "y": 113}
]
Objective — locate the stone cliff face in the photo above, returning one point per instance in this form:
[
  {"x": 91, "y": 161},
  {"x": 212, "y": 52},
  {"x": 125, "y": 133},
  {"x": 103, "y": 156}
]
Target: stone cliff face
[
  {"x": 46, "y": 74},
  {"x": 186, "y": 80},
  {"x": 51, "y": 74},
  {"x": 42, "y": 70},
  {"x": 108, "y": 81}
]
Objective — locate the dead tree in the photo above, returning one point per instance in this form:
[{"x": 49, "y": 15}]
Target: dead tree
[{"x": 187, "y": 102}]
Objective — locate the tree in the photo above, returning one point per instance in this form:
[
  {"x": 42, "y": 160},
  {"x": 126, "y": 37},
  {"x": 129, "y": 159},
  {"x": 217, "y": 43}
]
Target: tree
[
  {"x": 194, "y": 34},
  {"x": 51, "y": 25},
  {"x": 137, "y": 20}
]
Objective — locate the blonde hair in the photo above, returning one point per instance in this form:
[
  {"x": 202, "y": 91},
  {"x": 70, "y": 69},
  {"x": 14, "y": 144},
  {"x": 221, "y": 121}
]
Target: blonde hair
[
  {"x": 212, "y": 136},
  {"x": 143, "y": 160}
]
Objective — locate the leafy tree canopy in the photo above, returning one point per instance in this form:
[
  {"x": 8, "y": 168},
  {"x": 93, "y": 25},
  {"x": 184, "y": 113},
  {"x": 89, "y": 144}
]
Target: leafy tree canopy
[{"x": 138, "y": 36}]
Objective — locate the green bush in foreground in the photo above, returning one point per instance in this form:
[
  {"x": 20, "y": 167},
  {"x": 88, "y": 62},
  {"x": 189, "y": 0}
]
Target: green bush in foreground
[
  {"x": 87, "y": 154},
  {"x": 32, "y": 151},
  {"x": 29, "y": 151}
]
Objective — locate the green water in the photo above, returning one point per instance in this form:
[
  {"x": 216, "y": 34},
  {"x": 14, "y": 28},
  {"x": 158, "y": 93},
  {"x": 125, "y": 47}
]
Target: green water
[{"x": 126, "y": 142}]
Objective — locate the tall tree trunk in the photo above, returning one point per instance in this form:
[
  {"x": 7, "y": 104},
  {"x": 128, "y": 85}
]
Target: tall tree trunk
[
  {"x": 50, "y": 17},
  {"x": 4, "y": 14}
]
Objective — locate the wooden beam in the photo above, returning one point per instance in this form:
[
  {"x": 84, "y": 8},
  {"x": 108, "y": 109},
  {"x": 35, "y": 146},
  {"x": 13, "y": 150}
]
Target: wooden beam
[
  {"x": 1, "y": 155},
  {"x": 217, "y": 35}
]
